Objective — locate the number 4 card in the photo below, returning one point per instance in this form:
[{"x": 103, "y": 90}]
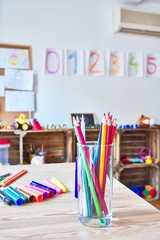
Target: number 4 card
[{"x": 135, "y": 64}]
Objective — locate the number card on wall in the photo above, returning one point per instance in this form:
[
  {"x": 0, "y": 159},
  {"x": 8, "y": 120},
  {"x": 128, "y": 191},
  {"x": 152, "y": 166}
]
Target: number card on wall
[
  {"x": 96, "y": 63},
  {"x": 54, "y": 62},
  {"x": 135, "y": 64},
  {"x": 116, "y": 66},
  {"x": 75, "y": 62},
  {"x": 153, "y": 65}
]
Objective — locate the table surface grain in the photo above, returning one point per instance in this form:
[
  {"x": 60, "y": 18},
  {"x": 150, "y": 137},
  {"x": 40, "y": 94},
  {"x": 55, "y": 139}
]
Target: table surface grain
[{"x": 56, "y": 218}]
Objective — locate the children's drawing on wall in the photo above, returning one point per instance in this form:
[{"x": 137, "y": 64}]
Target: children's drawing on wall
[
  {"x": 19, "y": 79},
  {"x": 54, "y": 64},
  {"x": 1, "y": 86},
  {"x": 75, "y": 62},
  {"x": 14, "y": 58},
  {"x": 17, "y": 101}
]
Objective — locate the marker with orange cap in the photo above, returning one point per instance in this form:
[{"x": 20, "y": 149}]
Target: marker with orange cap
[{"x": 38, "y": 196}]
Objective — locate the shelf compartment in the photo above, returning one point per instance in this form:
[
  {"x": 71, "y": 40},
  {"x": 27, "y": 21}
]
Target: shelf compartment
[{"x": 141, "y": 176}]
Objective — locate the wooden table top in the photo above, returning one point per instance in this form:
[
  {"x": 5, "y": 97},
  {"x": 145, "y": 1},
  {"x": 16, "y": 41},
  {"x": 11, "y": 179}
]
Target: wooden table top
[{"x": 56, "y": 218}]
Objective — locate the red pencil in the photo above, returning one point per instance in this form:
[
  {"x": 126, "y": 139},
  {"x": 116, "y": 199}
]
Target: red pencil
[{"x": 13, "y": 178}]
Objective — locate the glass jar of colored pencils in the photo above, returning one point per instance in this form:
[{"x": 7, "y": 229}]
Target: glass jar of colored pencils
[{"x": 95, "y": 183}]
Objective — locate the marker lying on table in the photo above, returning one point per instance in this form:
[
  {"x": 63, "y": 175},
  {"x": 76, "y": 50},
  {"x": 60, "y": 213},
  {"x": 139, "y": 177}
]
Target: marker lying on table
[
  {"x": 52, "y": 185},
  {"x": 43, "y": 186},
  {"x": 16, "y": 199},
  {"x": 24, "y": 198},
  {"x": 46, "y": 191},
  {"x": 38, "y": 196},
  {"x": 29, "y": 196},
  {"x": 13, "y": 178},
  {"x": 59, "y": 184},
  {"x": 5, "y": 198}
]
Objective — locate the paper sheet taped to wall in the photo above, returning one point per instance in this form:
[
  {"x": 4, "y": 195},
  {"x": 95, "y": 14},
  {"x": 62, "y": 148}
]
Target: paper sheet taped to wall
[
  {"x": 18, "y": 79},
  {"x": 18, "y": 101}
]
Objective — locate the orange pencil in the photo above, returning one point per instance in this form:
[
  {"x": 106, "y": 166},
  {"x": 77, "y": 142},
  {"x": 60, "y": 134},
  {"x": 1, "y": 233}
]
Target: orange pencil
[{"x": 13, "y": 178}]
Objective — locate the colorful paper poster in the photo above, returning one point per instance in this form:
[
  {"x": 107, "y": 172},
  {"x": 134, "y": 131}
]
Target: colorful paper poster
[
  {"x": 96, "y": 63},
  {"x": 135, "y": 64},
  {"x": 1, "y": 86},
  {"x": 19, "y": 101},
  {"x": 75, "y": 62},
  {"x": 153, "y": 65},
  {"x": 14, "y": 58},
  {"x": 54, "y": 62},
  {"x": 116, "y": 63},
  {"x": 19, "y": 79}
]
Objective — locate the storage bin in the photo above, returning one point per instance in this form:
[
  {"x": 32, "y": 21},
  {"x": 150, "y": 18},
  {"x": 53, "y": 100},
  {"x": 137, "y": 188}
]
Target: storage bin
[{"x": 4, "y": 149}]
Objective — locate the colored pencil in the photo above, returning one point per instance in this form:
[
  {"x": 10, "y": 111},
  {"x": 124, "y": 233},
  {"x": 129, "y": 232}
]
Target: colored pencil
[
  {"x": 91, "y": 177},
  {"x": 103, "y": 151},
  {"x": 13, "y": 178}
]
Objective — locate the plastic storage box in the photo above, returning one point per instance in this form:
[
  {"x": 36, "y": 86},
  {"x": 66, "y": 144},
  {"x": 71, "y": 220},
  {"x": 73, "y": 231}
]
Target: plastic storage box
[{"x": 4, "y": 150}]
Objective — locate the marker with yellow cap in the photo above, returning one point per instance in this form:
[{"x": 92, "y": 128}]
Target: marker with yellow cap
[{"x": 59, "y": 184}]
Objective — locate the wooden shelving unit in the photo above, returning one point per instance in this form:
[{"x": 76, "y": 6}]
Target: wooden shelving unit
[
  {"x": 57, "y": 143},
  {"x": 128, "y": 144}
]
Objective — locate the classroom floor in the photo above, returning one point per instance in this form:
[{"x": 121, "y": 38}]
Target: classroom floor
[{"x": 156, "y": 204}]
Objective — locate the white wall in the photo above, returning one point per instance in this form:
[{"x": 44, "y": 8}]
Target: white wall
[{"x": 80, "y": 24}]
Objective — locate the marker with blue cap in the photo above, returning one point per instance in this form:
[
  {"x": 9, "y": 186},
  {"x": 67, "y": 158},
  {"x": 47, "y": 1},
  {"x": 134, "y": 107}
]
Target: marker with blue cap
[{"x": 16, "y": 199}]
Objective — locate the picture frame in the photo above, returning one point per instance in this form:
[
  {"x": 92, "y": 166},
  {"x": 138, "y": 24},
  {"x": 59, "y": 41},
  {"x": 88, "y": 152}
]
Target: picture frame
[{"x": 89, "y": 118}]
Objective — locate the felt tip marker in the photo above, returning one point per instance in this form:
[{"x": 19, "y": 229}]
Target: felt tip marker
[
  {"x": 30, "y": 197},
  {"x": 18, "y": 194},
  {"x": 16, "y": 199},
  {"x": 5, "y": 198},
  {"x": 59, "y": 184},
  {"x": 43, "y": 186},
  {"x": 44, "y": 193},
  {"x": 52, "y": 185},
  {"x": 49, "y": 192},
  {"x": 38, "y": 196}
]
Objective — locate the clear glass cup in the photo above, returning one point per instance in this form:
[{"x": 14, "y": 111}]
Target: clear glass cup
[{"x": 95, "y": 184}]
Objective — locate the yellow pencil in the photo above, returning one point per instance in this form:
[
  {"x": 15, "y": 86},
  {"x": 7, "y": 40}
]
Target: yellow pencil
[{"x": 102, "y": 152}]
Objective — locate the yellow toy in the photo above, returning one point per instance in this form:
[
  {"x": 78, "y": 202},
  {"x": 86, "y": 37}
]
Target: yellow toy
[{"x": 22, "y": 124}]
